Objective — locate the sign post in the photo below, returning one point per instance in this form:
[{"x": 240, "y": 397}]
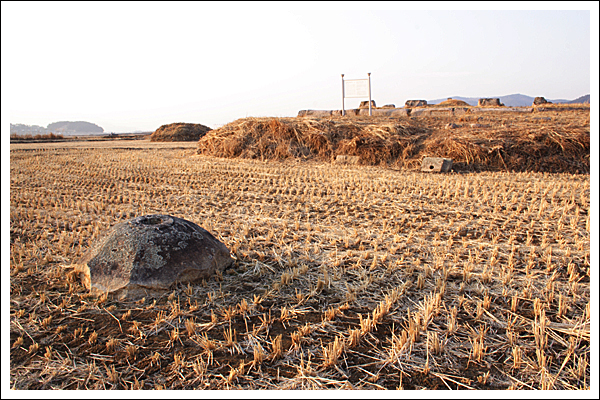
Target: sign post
[
  {"x": 370, "y": 111},
  {"x": 343, "y": 95},
  {"x": 357, "y": 88}
]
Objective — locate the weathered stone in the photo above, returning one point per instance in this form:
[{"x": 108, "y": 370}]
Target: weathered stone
[
  {"x": 388, "y": 112},
  {"x": 491, "y": 102},
  {"x": 365, "y": 104},
  {"x": 540, "y": 100},
  {"x": 436, "y": 164},
  {"x": 480, "y": 125},
  {"x": 452, "y": 125},
  {"x": 475, "y": 110},
  {"x": 314, "y": 113},
  {"x": 389, "y": 106},
  {"x": 374, "y": 111},
  {"x": 150, "y": 253},
  {"x": 432, "y": 111},
  {"x": 494, "y": 102},
  {"x": 415, "y": 103}
]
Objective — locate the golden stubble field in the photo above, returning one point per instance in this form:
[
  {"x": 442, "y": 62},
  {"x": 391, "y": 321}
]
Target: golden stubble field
[{"x": 345, "y": 277}]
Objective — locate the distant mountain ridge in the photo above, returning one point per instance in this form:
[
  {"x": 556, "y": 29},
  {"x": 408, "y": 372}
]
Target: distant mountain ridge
[
  {"x": 69, "y": 127},
  {"x": 21, "y": 129},
  {"x": 74, "y": 127},
  {"x": 513, "y": 100}
]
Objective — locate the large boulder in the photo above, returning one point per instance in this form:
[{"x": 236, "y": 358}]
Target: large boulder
[
  {"x": 415, "y": 103},
  {"x": 365, "y": 104},
  {"x": 540, "y": 100},
  {"x": 493, "y": 102},
  {"x": 315, "y": 113},
  {"x": 151, "y": 253}
]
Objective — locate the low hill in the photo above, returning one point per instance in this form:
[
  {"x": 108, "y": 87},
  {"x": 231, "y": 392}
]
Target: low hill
[
  {"x": 580, "y": 100},
  {"x": 23, "y": 129},
  {"x": 74, "y": 127},
  {"x": 518, "y": 144},
  {"x": 453, "y": 103},
  {"x": 179, "y": 132}
]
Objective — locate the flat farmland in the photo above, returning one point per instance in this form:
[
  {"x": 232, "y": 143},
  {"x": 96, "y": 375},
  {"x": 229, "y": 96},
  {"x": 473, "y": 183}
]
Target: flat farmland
[{"x": 345, "y": 277}]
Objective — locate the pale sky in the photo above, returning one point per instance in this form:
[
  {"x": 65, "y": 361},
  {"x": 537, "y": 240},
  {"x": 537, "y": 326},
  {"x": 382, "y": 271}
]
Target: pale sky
[{"x": 136, "y": 66}]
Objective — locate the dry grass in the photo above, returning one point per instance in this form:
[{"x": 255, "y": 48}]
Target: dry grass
[
  {"x": 39, "y": 136},
  {"x": 574, "y": 106},
  {"x": 540, "y": 142},
  {"x": 361, "y": 278}
]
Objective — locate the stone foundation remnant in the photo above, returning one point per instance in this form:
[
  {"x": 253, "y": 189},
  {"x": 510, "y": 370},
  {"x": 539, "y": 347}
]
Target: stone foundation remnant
[
  {"x": 436, "y": 164},
  {"x": 540, "y": 100},
  {"x": 365, "y": 104},
  {"x": 415, "y": 103},
  {"x": 494, "y": 102},
  {"x": 150, "y": 253}
]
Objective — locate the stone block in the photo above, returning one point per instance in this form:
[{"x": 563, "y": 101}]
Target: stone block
[
  {"x": 415, "y": 103},
  {"x": 540, "y": 100},
  {"x": 365, "y": 104},
  {"x": 436, "y": 164},
  {"x": 494, "y": 102}
]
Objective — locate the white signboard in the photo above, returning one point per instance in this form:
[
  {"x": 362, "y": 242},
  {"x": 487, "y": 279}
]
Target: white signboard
[{"x": 356, "y": 88}]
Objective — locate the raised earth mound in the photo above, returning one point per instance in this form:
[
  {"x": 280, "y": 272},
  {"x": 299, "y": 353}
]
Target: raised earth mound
[
  {"x": 495, "y": 143},
  {"x": 452, "y": 103},
  {"x": 150, "y": 253},
  {"x": 179, "y": 132}
]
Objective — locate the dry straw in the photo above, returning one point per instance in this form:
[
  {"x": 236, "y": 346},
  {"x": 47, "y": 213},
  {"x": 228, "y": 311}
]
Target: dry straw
[
  {"x": 502, "y": 144},
  {"x": 360, "y": 278}
]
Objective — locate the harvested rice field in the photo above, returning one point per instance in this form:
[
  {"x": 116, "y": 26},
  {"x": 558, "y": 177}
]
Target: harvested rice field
[{"x": 345, "y": 277}]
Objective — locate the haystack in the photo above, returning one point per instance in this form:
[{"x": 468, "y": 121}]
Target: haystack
[
  {"x": 179, "y": 132},
  {"x": 374, "y": 140}
]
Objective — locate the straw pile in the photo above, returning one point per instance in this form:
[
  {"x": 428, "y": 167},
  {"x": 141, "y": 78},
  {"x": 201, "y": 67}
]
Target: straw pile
[
  {"x": 374, "y": 141},
  {"x": 179, "y": 132},
  {"x": 504, "y": 144}
]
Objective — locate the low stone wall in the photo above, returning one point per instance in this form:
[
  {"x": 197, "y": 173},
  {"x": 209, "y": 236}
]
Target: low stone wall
[
  {"x": 501, "y": 109},
  {"x": 437, "y": 111},
  {"x": 563, "y": 108},
  {"x": 385, "y": 112},
  {"x": 416, "y": 112},
  {"x": 388, "y": 112}
]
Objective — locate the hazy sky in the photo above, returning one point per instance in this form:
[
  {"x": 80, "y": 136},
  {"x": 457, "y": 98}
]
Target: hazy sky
[{"x": 136, "y": 66}]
